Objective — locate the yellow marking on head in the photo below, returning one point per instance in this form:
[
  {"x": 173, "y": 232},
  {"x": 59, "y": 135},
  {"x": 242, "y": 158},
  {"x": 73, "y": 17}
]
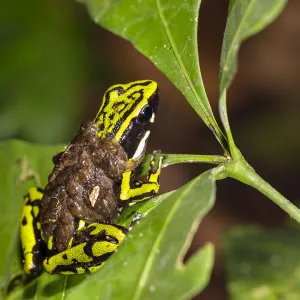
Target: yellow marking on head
[
  {"x": 121, "y": 103},
  {"x": 134, "y": 114}
]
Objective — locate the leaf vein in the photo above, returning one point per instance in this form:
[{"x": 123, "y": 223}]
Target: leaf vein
[
  {"x": 180, "y": 62},
  {"x": 150, "y": 260}
]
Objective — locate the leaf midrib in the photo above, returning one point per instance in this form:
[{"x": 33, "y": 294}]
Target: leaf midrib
[
  {"x": 180, "y": 62},
  {"x": 149, "y": 262},
  {"x": 222, "y": 88}
]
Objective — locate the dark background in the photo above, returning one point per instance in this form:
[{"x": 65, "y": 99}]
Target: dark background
[{"x": 56, "y": 64}]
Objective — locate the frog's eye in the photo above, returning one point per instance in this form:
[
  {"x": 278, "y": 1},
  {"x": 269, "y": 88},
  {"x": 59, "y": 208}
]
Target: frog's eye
[{"x": 145, "y": 115}]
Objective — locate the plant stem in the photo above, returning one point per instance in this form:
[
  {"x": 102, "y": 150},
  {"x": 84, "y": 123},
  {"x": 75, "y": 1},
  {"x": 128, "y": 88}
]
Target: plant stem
[
  {"x": 265, "y": 188},
  {"x": 171, "y": 159},
  {"x": 239, "y": 169}
]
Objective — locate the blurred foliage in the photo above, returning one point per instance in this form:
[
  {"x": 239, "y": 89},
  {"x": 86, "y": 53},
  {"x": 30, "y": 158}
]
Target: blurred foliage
[
  {"x": 262, "y": 263},
  {"x": 42, "y": 70}
]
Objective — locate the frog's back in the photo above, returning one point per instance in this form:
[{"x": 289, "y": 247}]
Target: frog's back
[{"x": 82, "y": 186}]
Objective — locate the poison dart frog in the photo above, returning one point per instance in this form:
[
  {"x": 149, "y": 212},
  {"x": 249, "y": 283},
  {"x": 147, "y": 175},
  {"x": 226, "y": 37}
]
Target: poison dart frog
[{"x": 69, "y": 227}]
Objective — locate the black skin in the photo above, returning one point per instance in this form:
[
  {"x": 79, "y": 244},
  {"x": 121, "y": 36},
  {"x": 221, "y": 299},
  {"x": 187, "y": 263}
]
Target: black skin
[{"x": 87, "y": 162}]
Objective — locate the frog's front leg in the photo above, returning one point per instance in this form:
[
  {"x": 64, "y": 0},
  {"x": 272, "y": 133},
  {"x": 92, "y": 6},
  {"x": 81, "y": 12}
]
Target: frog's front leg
[
  {"x": 135, "y": 191},
  {"x": 90, "y": 247},
  {"x": 30, "y": 231}
]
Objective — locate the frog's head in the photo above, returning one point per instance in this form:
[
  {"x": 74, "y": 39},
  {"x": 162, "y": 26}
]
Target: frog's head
[{"x": 126, "y": 115}]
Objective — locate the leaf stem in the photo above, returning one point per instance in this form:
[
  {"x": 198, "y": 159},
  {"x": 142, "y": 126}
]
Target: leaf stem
[
  {"x": 225, "y": 121},
  {"x": 240, "y": 170},
  {"x": 265, "y": 188},
  {"x": 172, "y": 159}
]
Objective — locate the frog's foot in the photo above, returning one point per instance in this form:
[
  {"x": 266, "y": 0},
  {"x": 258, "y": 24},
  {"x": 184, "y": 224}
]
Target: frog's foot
[
  {"x": 136, "y": 218},
  {"x": 136, "y": 191},
  {"x": 100, "y": 241}
]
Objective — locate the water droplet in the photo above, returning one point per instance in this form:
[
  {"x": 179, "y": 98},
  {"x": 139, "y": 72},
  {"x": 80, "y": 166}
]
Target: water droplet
[
  {"x": 125, "y": 263},
  {"x": 141, "y": 234},
  {"x": 152, "y": 288},
  {"x": 165, "y": 46}
]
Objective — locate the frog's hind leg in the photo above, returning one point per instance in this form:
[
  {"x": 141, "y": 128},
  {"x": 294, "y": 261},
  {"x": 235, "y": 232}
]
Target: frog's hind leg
[
  {"x": 89, "y": 249},
  {"x": 30, "y": 231}
]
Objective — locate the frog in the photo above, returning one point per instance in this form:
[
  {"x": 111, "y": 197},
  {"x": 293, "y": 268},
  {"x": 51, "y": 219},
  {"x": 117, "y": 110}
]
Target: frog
[{"x": 69, "y": 227}]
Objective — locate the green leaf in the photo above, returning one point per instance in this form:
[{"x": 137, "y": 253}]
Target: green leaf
[
  {"x": 246, "y": 18},
  {"x": 149, "y": 265},
  {"x": 165, "y": 32},
  {"x": 154, "y": 248},
  {"x": 263, "y": 264}
]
